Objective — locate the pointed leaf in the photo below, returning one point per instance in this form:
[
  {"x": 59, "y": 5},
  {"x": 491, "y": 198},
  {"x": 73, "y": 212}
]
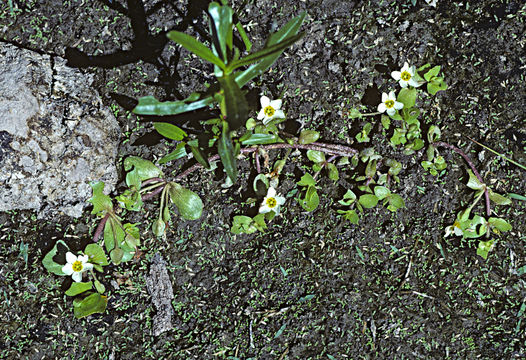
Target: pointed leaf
[
  {"x": 148, "y": 105},
  {"x": 499, "y": 224},
  {"x": 221, "y": 21},
  {"x": 169, "y": 130},
  {"x": 96, "y": 254},
  {"x": 100, "y": 201},
  {"x": 368, "y": 200},
  {"x": 316, "y": 156},
  {"x": 192, "y": 45},
  {"x": 236, "y": 104},
  {"x": 179, "y": 152},
  {"x": 308, "y": 136},
  {"x": 407, "y": 97},
  {"x": 473, "y": 182},
  {"x": 226, "y": 153},
  {"x": 139, "y": 170},
  {"x": 261, "y": 139},
  {"x": 499, "y": 199}
]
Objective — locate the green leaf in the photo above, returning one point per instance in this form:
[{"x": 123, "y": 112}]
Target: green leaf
[
  {"x": 179, "y": 152},
  {"x": 149, "y": 105},
  {"x": 192, "y": 45},
  {"x": 94, "y": 303},
  {"x": 350, "y": 215},
  {"x": 475, "y": 227},
  {"x": 142, "y": 170},
  {"x": 50, "y": 264},
  {"x": 311, "y": 200},
  {"x": 498, "y": 199},
  {"x": 244, "y": 36},
  {"x": 436, "y": 85},
  {"x": 333, "y": 172},
  {"x": 221, "y": 20},
  {"x": 188, "y": 202},
  {"x": 113, "y": 234},
  {"x": 432, "y": 73},
  {"x": 368, "y": 200},
  {"x": 381, "y": 192},
  {"x": 99, "y": 287},
  {"x": 473, "y": 182},
  {"x": 78, "y": 288},
  {"x": 307, "y": 180},
  {"x": 484, "y": 248},
  {"x": 226, "y": 153},
  {"x": 395, "y": 202},
  {"x": 386, "y": 121},
  {"x": 287, "y": 31},
  {"x": 96, "y": 254},
  {"x": 243, "y": 224},
  {"x": 316, "y": 156},
  {"x": 259, "y": 139},
  {"x": 407, "y": 97},
  {"x": 236, "y": 104},
  {"x": 348, "y": 198},
  {"x": 169, "y": 130},
  {"x": 199, "y": 155},
  {"x": 265, "y": 53},
  {"x": 101, "y": 202},
  {"x": 116, "y": 255},
  {"x": 308, "y": 137},
  {"x": 261, "y": 178},
  {"x": 355, "y": 114},
  {"x": 499, "y": 224}
]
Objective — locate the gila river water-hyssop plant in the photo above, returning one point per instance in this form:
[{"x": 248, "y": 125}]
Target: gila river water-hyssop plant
[{"x": 235, "y": 134}]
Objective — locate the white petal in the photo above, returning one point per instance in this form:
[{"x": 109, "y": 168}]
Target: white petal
[
  {"x": 276, "y": 104},
  {"x": 385, "y": 97},
  {"x": 263, "y": 209},
  {"x": 67, "y": 269},
  {"x": 261, "y": 114},
  {"x": 405, "y": 67},
  {"x": 83, "y": 258},
  {"x": 412, "y": 70},
  {"x": 403, "y": 83},
  {"x": 265, "y": 101},
  {"x": 392, "y": 95},
  {"x": 391, "y": 111},
  {"x": 87, "y": 266},
  {"x": 280, "y": 200},
  {"x": 271, "y": 192},
  {"x": 414, "y": 83},
  {"x": 70, "y": 257},
  {"x": 279, "y": 114},
  {"x": 77, "y": 276},
  {"x": 381, "y": 107},
  {"x": 398, "y": 105},
  {"x": 396, "y": 75}
]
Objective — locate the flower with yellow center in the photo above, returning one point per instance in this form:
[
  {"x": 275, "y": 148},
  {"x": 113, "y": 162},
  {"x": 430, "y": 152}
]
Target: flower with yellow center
[
  {"x": 76, "y": 265},
  {"x": 271, "y": 202},
  {"x": 389, "y": 104},
  {"x": 406, "y": 76},
  {"x": 270, "y": 109}
]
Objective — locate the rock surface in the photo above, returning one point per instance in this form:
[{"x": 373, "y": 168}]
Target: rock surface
[
  {"x": 160, "y": 288},
  {"x": 55, "y": 135}
]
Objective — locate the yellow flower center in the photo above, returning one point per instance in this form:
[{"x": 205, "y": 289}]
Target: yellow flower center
[
  {"x": 271, "y": 202},
  {"x": 77, "y": 266},
  {"x": 406, "y": 76},
  {"x": 269, "y": 111},
  {"x": 389, "y": 104}
]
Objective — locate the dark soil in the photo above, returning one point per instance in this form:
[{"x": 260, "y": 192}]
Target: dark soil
[{"x": 313, "y": 286}]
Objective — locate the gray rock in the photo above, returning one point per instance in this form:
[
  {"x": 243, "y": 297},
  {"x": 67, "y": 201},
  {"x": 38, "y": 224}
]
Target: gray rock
[
  {"x": 56, "y": 136},
  {"x": 160, "y": 288}
]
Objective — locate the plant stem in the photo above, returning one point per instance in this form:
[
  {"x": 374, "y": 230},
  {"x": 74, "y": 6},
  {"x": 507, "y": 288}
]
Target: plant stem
[
  {"x": 472, "y": 166},
  {"x": 100, "y": 227}
]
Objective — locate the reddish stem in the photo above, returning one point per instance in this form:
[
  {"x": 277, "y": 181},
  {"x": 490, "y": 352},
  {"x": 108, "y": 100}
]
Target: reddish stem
[
  {"x": 472, "y": 166},
  {"x": 100, "y": 227}
]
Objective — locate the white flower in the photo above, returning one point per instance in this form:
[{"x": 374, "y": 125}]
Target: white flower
[
  {"x": 271, "y": 202},
  {"x": 406, "y": 76},
  {"x": 76, "y": 265},
  {"x": 389, "y": 103},
  {"x": 270, "y": 109}
]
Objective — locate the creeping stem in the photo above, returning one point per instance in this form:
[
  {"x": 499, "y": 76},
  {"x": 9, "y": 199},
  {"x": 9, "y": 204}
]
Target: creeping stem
[
  {"x": 472, "y": 166},
  {"x": 100, "y": 227}
]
